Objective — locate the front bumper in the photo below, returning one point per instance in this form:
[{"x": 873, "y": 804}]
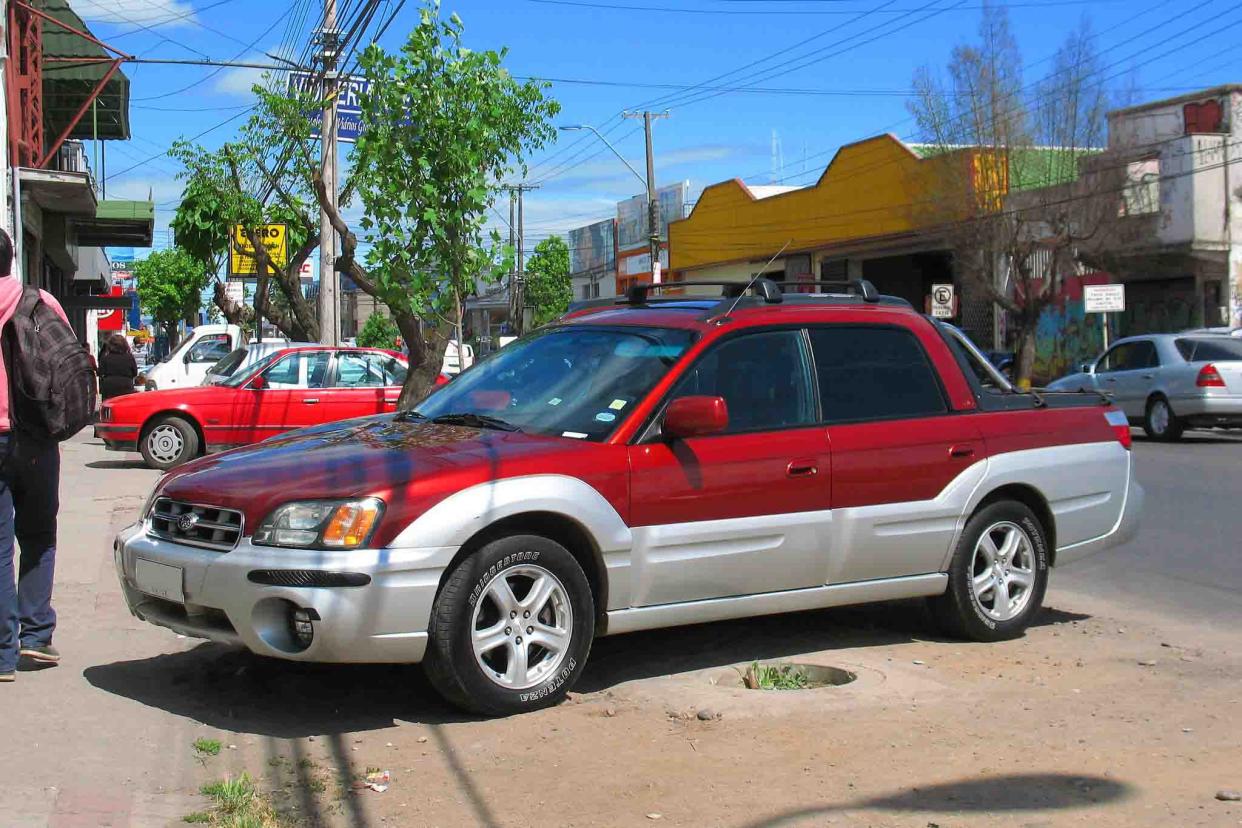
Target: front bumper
[
  {"x": 118, "y": 437},
  {"x": 384, "y": 621}
]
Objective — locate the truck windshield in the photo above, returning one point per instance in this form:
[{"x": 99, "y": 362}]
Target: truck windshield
[{"x": 576, "y": 382}]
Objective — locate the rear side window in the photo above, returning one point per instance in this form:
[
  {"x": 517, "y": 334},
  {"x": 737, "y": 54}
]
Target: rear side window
[
  {"x": 873, "y": 374},
  {"x": 1207, "y": 350}
]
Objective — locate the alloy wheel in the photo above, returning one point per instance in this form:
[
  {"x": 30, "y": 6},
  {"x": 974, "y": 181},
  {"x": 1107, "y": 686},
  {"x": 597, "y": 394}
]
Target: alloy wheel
[
  {"x": 1003, "y": 571},
  {"x": 521, "y": 627}
]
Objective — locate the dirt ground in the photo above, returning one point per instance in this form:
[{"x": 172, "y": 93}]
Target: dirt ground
[
  {"x": 1100, "y": 715},
  {"x": 1095, "y": 717}
]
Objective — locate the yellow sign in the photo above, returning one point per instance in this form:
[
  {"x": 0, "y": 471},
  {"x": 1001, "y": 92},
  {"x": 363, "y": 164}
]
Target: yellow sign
[{"x": 274, "y": 237}]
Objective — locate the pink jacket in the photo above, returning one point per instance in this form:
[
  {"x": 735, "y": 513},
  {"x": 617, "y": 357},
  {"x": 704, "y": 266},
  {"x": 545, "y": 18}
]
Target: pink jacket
[{"x": 10, "y": 293}]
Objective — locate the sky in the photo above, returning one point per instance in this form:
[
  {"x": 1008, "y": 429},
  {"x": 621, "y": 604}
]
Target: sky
[{"x": 762, "y": 90}]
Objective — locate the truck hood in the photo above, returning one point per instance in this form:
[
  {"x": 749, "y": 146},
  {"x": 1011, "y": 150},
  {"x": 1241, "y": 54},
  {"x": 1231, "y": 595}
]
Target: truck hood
[{"x": 409, "y": 465}]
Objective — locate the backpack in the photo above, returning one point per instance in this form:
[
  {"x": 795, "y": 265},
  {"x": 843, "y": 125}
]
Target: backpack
[{"x": 52, "y": 383}]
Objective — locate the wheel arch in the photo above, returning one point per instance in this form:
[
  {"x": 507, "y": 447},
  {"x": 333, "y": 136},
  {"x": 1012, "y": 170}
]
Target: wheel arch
[
  {"x": 152, "y": 419},
  {"x": 1034, "y": 500},
  {"x": 554, "y": 526}
]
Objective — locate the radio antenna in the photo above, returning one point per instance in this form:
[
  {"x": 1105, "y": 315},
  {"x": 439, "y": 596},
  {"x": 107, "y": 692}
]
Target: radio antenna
[{"x": 752, "y": 281}]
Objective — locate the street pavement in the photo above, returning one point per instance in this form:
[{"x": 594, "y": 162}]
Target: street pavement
[{"x": 104, "y": 738}]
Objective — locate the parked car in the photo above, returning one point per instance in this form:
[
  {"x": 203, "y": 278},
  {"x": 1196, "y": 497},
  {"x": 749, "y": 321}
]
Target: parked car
[
  {"x": 187, "y": 366},
  {"x": 1219, "y": 330},
  {"x": 1168, "y": 383},
  {"x": 642, "y": 465},
  {"x": 291, "y": 388},
  {"x": 244, "y": 356}
]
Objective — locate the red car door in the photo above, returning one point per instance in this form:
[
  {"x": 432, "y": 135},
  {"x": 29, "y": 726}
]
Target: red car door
[
  {"x": 898, "y": 454},
  {"x": 290, "y": 396},
  {"x": 364, "y": 383},
  {"x": 744, "y": 511}
]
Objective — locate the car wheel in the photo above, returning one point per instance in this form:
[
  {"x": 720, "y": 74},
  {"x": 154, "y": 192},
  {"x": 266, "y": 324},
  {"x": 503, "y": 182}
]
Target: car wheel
[
  {"x": 998, "y": 575},
  {"x": 168, "y": 442},
  {"x": 512, "y": 627},
  {"x": 1161, "y": 423}
]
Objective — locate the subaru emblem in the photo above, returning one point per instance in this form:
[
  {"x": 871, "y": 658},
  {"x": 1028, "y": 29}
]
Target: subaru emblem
[{"x": 187, "y": 521}]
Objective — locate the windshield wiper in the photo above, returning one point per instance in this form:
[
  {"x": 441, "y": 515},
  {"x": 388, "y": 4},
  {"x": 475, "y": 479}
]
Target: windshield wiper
[
  {"x": 408, "y": 415},
  {"x": 469, "y": 418}
]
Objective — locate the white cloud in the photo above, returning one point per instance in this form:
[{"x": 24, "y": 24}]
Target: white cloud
[
  {"x": 145, "y": 12},
  {"x": 237, "y": 81}
]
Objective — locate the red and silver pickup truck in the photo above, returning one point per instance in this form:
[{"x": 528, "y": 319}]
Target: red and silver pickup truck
[{"x": 643, "y": 463}]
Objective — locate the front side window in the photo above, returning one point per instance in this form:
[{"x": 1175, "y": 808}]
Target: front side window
[
  {"x": 210, "y": 349},
  {"x": 764, "y": 379},
  {"x": 1128, "y": 356},
  {"x": 303, "y": 369},
  {"x": 873, "y": 374},
  {"x": 572, "y": 381}
]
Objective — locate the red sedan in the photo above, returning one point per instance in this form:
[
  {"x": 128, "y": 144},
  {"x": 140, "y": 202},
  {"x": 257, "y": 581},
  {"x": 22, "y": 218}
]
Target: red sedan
[{"x": 292, "y": 388}]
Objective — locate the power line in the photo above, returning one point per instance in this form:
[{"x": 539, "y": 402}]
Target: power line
[{"x": 802, "y": 12}]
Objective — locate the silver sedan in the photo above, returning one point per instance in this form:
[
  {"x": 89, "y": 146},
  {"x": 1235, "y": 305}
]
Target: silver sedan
[{"x": 1168, "y": 382}]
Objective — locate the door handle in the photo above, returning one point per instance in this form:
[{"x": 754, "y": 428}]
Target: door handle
[
  {"x": 1110, "y": 379},
  {"x": 802, "y": 468},
  {"x": 310, "y": 401},
  {"x": 1148, "y": 376},
  {"x": 962, "y": 451}
]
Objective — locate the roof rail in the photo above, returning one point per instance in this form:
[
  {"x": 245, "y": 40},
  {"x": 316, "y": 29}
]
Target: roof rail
[
  {"x": 764, "y": 288},
  {"x": 862, "y": 287}
]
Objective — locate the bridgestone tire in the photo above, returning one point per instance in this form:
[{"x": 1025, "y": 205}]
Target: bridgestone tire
[
  {"x": 958, "y": 611},
  {"x": 189, "y": 443},
  {"x": 451, "y": 664}
]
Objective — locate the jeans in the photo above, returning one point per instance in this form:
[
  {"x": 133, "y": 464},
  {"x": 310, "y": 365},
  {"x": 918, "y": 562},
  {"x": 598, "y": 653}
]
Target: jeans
[{"x": 29, "y": 502}]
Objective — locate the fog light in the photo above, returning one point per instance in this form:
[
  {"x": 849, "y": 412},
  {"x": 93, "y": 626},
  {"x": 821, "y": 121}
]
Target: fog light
[{"x": 303, "y": 629}]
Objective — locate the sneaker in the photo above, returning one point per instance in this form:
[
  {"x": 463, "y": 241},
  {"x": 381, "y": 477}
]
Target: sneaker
[
  {"x": 46, "y": 654},
  {"x": 8, "y": 677}
]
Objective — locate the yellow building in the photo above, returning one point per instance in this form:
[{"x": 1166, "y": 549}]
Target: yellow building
[{"x": 873, "y": 214}]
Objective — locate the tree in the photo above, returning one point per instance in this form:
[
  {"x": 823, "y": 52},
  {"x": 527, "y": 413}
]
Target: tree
[
  {"x": 378, "y": 332},
  {"x": 219, "y": 196},
  {"x": 1007, "y": 190},
  {"x": 442, "y": 127},
  {"x": 548, "y": 289},
  {"x": 170, "y": 287}
]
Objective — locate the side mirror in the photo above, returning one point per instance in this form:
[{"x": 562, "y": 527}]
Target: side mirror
[
  {"x": 1087, "y": 368},
  {"x": 257, "y": 384},
  {"x": 695, "y": 417}
]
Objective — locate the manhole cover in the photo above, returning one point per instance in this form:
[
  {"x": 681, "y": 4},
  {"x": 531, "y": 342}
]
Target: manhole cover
[{"x": 778, "y": 675}]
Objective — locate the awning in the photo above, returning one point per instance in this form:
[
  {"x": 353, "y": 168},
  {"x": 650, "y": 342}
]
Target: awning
[
  {"x": 118, "y": 223},
  {"x": 66, "y": 84},
  {"x": 70, "y": 193}
]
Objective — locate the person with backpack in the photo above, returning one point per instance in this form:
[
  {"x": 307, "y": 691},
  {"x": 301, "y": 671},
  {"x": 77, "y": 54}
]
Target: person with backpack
[{"x": 47, "y": 393}]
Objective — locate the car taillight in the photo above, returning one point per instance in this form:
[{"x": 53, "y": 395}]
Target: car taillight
[
  {"x": 1121, "y": 427},
  {"x": 1209, "y": 377}
]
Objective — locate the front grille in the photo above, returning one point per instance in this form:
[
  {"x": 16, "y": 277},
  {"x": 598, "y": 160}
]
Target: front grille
[
  {"x": 196, "y": 525},
  {"x": 308, "y": 578}
]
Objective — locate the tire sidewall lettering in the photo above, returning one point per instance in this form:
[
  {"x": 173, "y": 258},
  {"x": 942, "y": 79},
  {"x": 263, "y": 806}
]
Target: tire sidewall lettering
[{"x": 508, "y": 561}]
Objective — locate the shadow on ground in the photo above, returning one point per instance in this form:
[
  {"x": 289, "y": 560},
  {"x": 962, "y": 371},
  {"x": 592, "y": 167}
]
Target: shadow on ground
[
  {"x": 988, "y": 794},
  {"x": 135, "y": 463},
  {"x": 232, "y": 689}
]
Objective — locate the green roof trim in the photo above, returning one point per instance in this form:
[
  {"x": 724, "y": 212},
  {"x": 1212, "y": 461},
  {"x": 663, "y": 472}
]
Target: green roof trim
[
  {"x": 119, "y": 210},
  {"x": 1029, "y": 167},
  {"x": 67, "y": 85}
]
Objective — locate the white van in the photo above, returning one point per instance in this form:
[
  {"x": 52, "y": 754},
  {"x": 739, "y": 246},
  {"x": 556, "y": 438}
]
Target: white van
[
  {"x": 187, "y": 365},
  {"x": 452, "y": 364}
]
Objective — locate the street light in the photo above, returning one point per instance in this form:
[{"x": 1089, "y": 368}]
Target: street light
[{"x": 648, "y": 185}]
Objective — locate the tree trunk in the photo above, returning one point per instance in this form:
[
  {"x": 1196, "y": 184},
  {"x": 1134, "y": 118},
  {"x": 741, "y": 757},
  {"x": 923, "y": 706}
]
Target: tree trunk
[
  {"x": 1024, "y": 358},
  {"x": 426, "y": 346}
]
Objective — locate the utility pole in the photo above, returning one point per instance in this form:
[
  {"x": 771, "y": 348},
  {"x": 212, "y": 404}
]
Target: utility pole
[
  {"x": 517, "y": 276},
  {"x": 329, "y": 280},
  {"x": 653, "y": 206}
]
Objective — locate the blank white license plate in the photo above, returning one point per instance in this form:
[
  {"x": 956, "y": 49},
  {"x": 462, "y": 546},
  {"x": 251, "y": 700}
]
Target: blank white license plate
[{"x": 160, "y": 580}]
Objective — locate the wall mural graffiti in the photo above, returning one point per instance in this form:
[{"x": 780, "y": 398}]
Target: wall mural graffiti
[{"x": 1066, "y": 336}]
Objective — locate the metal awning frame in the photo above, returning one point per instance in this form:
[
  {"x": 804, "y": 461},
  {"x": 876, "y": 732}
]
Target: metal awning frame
[{"x": 115, "y": 66}]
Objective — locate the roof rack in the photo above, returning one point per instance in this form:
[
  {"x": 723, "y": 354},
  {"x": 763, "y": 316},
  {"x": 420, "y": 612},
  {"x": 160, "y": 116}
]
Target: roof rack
[
  {"x": 764, "y": 288},
  {"x": 861, "y": 287}
]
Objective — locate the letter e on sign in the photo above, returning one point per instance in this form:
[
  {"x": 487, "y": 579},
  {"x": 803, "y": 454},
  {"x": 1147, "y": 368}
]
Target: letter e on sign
[{"x": 942, "y": 301}]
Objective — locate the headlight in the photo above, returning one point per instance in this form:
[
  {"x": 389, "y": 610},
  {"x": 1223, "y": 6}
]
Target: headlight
[{"x": 321, "y": 524}]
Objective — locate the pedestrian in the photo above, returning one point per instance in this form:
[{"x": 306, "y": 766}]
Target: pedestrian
[
  {"x": 29, "y": 501},
  {"x": 117, "y": 368}
]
